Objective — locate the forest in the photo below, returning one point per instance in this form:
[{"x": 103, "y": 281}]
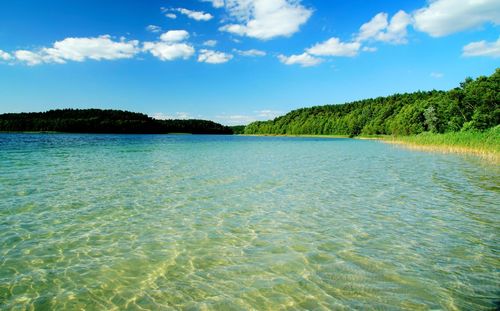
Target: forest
[
  {"x": 104, "y": 121},
  {"x": 472, "y": 106}
]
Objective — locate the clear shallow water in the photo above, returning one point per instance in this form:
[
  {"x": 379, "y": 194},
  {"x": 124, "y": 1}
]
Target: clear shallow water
[{"x": 237, "y": 223}]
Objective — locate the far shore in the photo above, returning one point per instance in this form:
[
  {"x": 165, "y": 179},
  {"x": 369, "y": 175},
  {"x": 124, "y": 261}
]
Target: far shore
[{"x": 99, "y": 133}]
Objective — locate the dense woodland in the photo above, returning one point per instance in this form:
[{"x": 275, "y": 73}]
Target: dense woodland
[
  {"x": 104, "y": 121},
  {"x": 238, "y": 129},
  {"x": 471, "y": 106},
  {"x": 474, "y": 105}
]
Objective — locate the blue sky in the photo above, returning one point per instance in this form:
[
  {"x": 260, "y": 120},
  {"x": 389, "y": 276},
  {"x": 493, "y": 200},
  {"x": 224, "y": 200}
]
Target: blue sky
[{"x": 235, "y": 61}]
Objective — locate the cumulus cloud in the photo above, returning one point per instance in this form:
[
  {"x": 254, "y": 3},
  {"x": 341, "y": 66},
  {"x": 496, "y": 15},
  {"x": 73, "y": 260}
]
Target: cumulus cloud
[
  {"x": 482, "y": 48},
  {"x": 153, "y": 28},
  {"x": 304, "y": 60},
  {"x": 183, "y": 115},
  {"x": 5, "y": 56},
  {"x": 210, "y": 43},
  {"x": 174, "y": 36},
  {"x": 241, "y": 119},
  {"x": 334, "y": 47},
  {"x": 236, "y": 29},
  {"x": 171, "y": 46},
  {"x": 268, "y": 114},
  {"x": 236, "y": 119},
  {"x": 369, "y": 49},
  {"x": 372, "y": 28},
  {"x": 215, "y": 3},
  {"x": 171, "y": 15},
  {"x": 438, "y": 18},
  {"x": 213, "y": 57},
  {"x": 175, "y": 116},
  {"x": 79, "y": 50},
  {"x": 444, "y": 17},
  {"x": 160, "y": 116},
  {"x": 169, "y": 51},
  {"x": 28, "y": 57},
  {"x": 196, "y": 15},
  {"x": 264, "y": 19},
  {"x": 397, "y": 30},
  {"x": 250, "y": 53},
  {"x": 380, "y": 29}
]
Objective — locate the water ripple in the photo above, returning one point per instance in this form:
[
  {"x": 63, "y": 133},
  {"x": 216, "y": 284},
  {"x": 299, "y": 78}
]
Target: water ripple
[{"x": 236, "y": 223}]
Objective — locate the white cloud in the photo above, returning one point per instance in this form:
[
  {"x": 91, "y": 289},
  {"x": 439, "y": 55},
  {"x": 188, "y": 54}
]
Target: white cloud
[
  {"x": 372, "y": 28},
  {"x": 397, "y": 30},
  {"x": 174, "y": 36},
  {"x": 334, "y": 47},
  {"x": 169, "y": 51},
  {"x": 28, "y": 57},
  {"x": 153, "y": 28},
  {"x": 250, "y": 53},
  {"x": 444, "y": 17},
  {"x": 81, "y": 49},
  {"x": 436, "y": 75},
  {"x": 305, "y": 60},
  {"x": 236, "y": 29},
  {"x": 170, "y": 47},
  {"x": 380, "y": 29},
  {"x": 369, "y": 49},
  {"x": 5, "y": 56},
  {"x": 183, "y": 115},
  {"x": 171, "y": 15},
  {"x": 177, "y": 115},
  {"x": 211, "y": 43},
  {"x": 213, "y": 57},
  {"x": 438, "y": 18},
  {"x": 215, "y": 3},
  {"x": 160, "y": 116},
  {"x": 269, "y": 114},
  {"x": 235, "y": 119},
  {"x": 196, "y": 15},
  {"x": 482, "y": 48},
  {"x": 265, "y": 19},
  {"x": 241, "y": 119}
]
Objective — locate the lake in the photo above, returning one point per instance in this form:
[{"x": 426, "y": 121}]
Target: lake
[{"x": 235, "y": 223}]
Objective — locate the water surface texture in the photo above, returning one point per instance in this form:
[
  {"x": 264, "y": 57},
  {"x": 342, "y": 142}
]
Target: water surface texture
[{"x": 162, "y": 222}]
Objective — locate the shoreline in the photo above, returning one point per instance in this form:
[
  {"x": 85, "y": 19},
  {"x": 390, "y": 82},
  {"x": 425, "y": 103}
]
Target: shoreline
[
  {"x": 103, "y": 133},
  {"x": 296, "y": 136},
  {"x": 488, "y": 155},
  {"x": 414, "y": 142}
]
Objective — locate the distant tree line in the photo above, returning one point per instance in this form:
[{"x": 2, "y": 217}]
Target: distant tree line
[
  {"x": 474, "y": 105},
  {"x": 238, "y": 129},
  {"x": 104, "y": 121}
]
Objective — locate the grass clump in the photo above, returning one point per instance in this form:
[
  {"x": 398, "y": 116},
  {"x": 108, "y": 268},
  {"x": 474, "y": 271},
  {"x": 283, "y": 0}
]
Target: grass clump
[{"x": 485, "y": 144}]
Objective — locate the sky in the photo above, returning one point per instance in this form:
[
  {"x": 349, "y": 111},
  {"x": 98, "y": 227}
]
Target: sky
[{"x": 236, "y": 61}]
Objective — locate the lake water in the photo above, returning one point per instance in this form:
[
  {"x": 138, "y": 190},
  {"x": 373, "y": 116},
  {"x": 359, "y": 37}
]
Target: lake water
[{"x": 236, "y": 223}]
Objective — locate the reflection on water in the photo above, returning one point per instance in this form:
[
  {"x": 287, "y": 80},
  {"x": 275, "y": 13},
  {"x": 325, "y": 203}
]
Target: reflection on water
[{"x": 234, "y": 223}]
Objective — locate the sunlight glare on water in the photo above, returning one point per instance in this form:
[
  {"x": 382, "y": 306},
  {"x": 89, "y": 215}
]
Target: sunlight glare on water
[{"x": 236, "y": 223}]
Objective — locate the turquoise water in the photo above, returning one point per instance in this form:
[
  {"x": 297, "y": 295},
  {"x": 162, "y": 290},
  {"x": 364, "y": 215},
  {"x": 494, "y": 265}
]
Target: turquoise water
[{"x": 239, "y": 223}]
